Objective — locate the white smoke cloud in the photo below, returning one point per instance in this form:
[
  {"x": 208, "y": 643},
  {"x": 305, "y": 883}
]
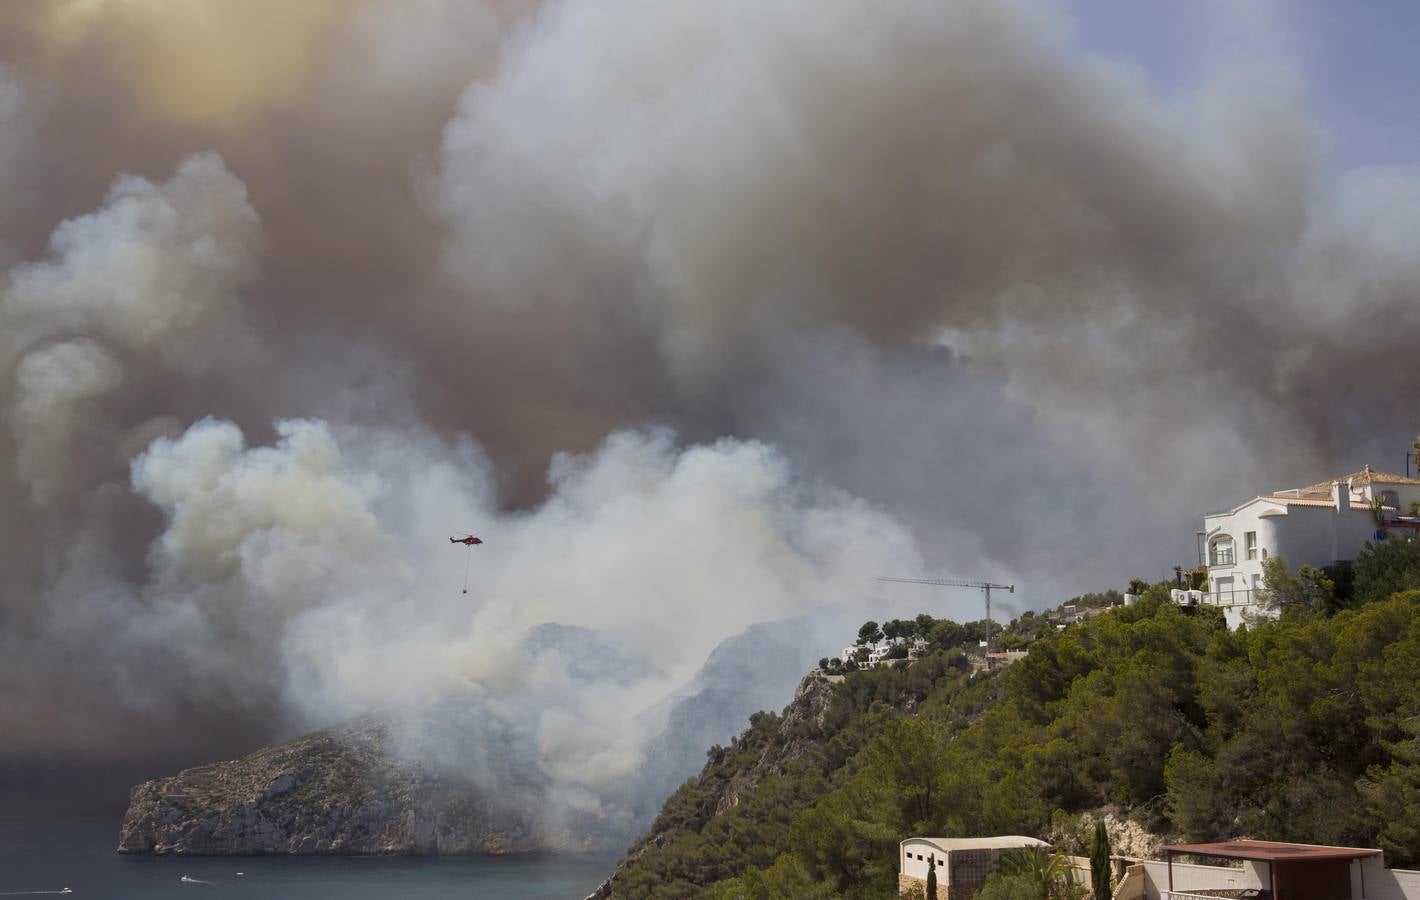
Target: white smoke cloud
[
  {"x": 156, "y": 270},
  {"x": 55, "y": 412},
  {"x": 322, "y": 564},
  {"x": 149, "y": 282}
]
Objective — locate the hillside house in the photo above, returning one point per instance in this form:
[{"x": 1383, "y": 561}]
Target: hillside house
[
  {"x": 873, "y": 653},
  {"x": 1000, "y": 659},
  {"x": 1311, "y": 526},
  {"x": 1070, "y": 614},
  {"x": 961, "y": 863}
]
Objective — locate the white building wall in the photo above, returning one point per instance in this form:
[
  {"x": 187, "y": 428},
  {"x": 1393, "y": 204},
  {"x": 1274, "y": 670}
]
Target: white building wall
[
  {"x": 1188, "y": 877},
  {"x": 1317, "y": 536},
  {"x": 1243, "y": 570},
  {"x": 1407, "y": 494},
  {"x": 1370, "y": 879},
  {"x": 1302, "y": 535},
  {"x": 1380, "y": 883},
  {"x": 908, "y": 863}
]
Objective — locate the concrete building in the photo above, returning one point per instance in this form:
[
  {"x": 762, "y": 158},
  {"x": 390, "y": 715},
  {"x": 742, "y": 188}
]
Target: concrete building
[
  {"x": 961, "y": 863},
  {"x": 1276, "y": 871},
  {"x": 1222, "y": 870},
  {"x": 1310, "y": 526},
  {"x": 1000, "y": 659}
]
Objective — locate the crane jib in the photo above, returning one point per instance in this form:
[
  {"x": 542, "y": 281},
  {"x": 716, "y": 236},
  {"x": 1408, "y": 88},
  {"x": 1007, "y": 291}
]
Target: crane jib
[{"x": 984, "y": 586}]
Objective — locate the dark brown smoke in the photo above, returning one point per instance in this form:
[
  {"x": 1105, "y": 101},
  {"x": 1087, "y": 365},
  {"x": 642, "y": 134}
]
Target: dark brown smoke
[{"x": 369, "y": 270}]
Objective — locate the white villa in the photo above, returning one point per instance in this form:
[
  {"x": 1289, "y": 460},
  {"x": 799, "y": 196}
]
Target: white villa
[
  {"x": 878, "y": 652},
  {"x": 1310, "y": 526}
]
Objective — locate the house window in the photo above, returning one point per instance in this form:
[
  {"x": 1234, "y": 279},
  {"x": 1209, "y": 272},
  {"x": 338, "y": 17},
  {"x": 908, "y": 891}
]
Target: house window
[
  {"x": 1250, "y": 541},
  {"x": 1221, "y": 551}
]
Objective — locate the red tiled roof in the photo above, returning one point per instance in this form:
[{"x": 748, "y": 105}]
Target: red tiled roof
[
  {"x": 1271, "y": 851},
  {"x": 1317, "y": 501},
  {"x": 1365, "y": 476}
]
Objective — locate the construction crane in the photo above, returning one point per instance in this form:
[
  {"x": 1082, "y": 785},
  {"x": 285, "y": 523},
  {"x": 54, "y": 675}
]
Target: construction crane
[{"x": 984, "y": 586}]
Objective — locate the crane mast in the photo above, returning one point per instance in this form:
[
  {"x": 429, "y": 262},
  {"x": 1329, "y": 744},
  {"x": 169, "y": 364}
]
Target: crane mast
[{"x": 984, "y": 586}]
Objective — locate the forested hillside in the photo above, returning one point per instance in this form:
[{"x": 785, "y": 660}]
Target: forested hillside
[{"x": 1304, "y": 729}]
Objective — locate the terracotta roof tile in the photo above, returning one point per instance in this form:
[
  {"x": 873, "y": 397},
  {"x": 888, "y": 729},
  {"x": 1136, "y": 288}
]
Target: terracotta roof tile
[
  {"x": 1365, "y": 476},
  {"x": 1318, "y": 501}
]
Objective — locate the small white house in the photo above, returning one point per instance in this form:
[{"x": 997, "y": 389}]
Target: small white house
[
  {"x": 961, "y": 863},
  {"x": 1310, "y": 526},
  {"x": 876, "y": 652}
]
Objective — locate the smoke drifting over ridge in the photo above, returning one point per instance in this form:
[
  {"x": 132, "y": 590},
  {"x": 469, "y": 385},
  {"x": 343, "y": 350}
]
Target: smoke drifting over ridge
[{"x": 704, "y": 313}]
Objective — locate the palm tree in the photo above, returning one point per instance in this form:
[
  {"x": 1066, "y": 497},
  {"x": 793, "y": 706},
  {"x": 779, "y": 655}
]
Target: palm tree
[{"x": 1048, "y": 873}]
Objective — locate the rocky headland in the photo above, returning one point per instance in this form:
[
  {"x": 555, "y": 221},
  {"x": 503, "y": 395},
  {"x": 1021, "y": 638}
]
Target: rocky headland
[
  {"x": 452, "y": 778},
  {"x": 343, "y": 790}
]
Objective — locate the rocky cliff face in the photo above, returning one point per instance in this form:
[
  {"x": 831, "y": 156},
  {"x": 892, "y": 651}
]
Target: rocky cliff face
[
  {"x": 720, "y": 790},
  {"x": 752, "y": 671},
  {"x": 342, "y": 790}
]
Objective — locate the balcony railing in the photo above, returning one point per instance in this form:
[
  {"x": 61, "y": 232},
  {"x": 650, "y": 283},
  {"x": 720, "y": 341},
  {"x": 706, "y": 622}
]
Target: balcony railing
[
  {"x": 1230, "y": 597},
  {"x": 1219, "y": 894}
]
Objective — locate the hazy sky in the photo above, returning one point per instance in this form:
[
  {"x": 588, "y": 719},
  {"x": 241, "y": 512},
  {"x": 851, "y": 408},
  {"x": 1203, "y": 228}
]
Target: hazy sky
[{"x": 1356, "y": 60}]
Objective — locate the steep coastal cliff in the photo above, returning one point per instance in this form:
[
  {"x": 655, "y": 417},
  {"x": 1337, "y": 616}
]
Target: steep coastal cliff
[{"x": 342, "y": 790}]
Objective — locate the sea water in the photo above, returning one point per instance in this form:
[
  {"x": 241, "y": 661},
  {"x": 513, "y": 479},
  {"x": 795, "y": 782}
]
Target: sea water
[{"x": 50, "y": 856}]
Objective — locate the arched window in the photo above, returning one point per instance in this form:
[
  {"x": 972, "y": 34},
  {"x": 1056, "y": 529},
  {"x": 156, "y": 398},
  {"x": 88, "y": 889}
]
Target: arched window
[{"x": 1220, "y": 550}]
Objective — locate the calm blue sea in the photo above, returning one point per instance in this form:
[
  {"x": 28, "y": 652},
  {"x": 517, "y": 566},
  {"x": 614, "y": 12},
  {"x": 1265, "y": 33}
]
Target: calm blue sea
[{"x": 50, "y": 856}]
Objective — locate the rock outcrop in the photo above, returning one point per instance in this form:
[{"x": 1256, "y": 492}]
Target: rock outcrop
[
  {"x": 751, "y": 671},
  {"x": 722, "y": 791},
  {"x": 343, "y": 790}
]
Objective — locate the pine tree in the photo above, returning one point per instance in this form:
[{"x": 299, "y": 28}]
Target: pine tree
[{"x": 1099, "y": 862}]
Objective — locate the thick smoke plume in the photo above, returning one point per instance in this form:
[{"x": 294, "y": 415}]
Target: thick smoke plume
[{"x": 701, "y": 314}]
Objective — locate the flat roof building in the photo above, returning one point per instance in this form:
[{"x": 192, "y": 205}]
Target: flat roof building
[{"x": 961, "y": 863}]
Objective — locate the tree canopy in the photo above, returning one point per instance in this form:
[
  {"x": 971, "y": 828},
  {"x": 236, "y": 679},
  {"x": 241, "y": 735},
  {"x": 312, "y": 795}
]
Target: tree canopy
[{"x": 1302, "y": 729}]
